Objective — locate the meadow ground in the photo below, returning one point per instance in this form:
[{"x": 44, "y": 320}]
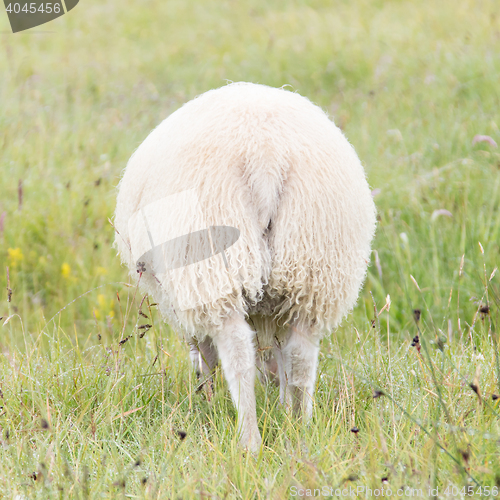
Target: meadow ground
[{"x": 411, "y": 84}]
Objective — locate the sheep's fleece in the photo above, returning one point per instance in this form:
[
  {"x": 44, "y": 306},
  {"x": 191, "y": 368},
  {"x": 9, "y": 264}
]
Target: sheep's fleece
[{"x": 268, "y": 169}]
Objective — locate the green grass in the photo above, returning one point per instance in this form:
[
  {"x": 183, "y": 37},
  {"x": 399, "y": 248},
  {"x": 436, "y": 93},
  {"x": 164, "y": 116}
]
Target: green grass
[{"x": 410, "y": 83}]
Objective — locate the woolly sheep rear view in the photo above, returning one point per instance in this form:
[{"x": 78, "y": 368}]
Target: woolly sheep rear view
[{"x": 248, "y": 206}]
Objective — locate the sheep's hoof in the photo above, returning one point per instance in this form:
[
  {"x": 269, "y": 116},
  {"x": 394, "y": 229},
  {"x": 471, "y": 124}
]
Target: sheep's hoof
[{"x": 252, "y": 444}]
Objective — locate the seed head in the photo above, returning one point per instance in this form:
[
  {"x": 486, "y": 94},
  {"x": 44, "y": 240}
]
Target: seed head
[
  {"x": 465, "y": 455},
  {"x": 484, "y": 309},
  {"x": 416, "y": 314}
]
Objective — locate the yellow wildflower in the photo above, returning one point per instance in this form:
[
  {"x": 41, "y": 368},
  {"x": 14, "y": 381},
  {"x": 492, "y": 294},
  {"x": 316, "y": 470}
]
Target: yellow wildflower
[
  {"x": 104, "y": 304},
  {"x": 15, "y": 255},
  {"x": 65, "y": 270},
  {"x": 101, "y": 299}
]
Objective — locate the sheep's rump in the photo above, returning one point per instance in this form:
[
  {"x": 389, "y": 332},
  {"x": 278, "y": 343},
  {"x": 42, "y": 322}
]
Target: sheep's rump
[{"x": 270, "y": 165}]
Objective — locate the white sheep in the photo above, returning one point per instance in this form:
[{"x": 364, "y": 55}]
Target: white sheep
[{"x": 248, "y": 203}]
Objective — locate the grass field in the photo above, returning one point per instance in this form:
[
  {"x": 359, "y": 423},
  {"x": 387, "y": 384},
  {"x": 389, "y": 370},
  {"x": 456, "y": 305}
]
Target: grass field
[{"x": 411, "y": 83}]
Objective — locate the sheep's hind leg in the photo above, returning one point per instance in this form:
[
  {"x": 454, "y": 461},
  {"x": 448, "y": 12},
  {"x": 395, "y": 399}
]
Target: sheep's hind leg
[
  {"x": 204, "y": 358},
  {"x": 281, "y": 376},
  {"x": 237, "y": 354},
  {"x": 267, "y": 370},
  {"x": 298, "y": 360}
]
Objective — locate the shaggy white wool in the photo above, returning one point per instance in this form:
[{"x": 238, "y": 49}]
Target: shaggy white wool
[{"x": 270, "y": 163}]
